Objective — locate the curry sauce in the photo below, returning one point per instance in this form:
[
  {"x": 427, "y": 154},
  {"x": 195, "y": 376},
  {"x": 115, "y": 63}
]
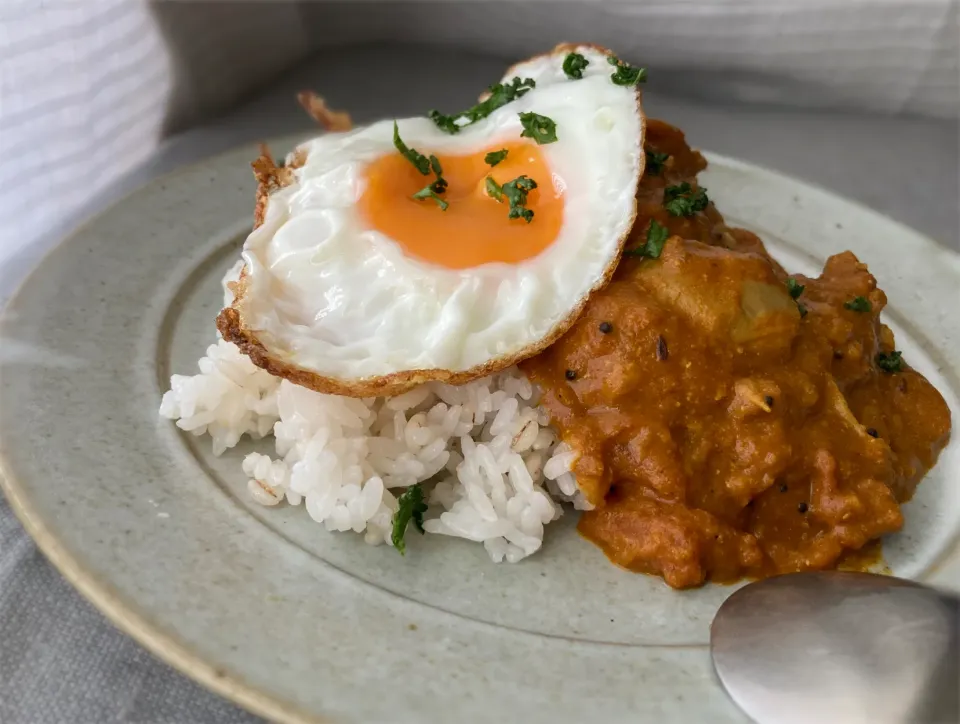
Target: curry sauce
[{"x": 732, "y": 420}]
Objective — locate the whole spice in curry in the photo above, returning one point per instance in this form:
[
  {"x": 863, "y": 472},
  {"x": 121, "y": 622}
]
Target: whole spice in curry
[{"x": 662, "y": 351}]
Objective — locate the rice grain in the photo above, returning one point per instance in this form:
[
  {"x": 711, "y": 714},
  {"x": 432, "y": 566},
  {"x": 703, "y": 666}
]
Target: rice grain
[{"x": 483, "y": 451}]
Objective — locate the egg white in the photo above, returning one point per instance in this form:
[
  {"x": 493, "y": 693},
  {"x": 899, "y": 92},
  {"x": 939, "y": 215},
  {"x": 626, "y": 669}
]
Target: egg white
[{"x": 327, "y": 294}]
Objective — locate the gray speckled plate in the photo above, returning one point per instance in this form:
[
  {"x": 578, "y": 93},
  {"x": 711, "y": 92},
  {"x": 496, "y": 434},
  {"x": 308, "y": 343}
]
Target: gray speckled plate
[{"x": 266, "y": 607}]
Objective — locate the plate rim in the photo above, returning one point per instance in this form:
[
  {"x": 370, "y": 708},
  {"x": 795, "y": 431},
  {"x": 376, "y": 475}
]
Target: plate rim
[
  {"x": 123, "y": 614},
  {"x": 98, "y": 592}
]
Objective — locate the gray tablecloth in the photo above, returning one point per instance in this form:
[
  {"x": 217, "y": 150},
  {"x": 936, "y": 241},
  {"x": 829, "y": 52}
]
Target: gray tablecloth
[{"x": 61, "y": 661}]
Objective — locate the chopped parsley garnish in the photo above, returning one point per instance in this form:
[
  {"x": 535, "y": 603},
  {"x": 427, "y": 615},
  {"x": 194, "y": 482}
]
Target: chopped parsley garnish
[
  {"x": 625, "y": 74},
  {"x": 655, "y": 162},
  {"x": 683, "y": 200},
  {"x": 447, "y": 124},
  {"x": 495, "y": 157},
  {"x": 574, "y": 64},
  {"x": 890, "y": 361},
  {"x": 430, "y": 192},
  {"x": 657, "y": 236},
  {"x": 540, "y": 128},
  {"x": 858, "y": 304},
  {"x": 411, "y": 506},
  {"x": 498, "y": 95},
  {"x": 516, "y": 193},
  {"x": 795, "y": 289},
  {"x": 419, "y": 161},
  {"x": 494, "y": 190},
  {"x": 433, "y": 191}
]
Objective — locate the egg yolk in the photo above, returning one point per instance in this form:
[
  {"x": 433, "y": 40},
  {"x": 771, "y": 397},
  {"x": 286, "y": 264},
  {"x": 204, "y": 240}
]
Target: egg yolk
[{"x": 475, "y": 228}]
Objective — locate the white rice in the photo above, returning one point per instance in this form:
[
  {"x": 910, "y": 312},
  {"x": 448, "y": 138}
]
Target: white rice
[{"x": 491, "y": 467}]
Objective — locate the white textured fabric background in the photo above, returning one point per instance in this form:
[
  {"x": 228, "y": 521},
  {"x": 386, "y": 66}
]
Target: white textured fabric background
[{"x": 89, "y": 89}]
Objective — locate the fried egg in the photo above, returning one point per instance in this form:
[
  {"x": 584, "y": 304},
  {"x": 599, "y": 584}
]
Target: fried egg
[{"x": 356, "y": 284}]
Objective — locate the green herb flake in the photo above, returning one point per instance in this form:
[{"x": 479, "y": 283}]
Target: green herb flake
[
  {"x": 540, "y": 128},
  {"x": 430, "y": 192},
  {"x": 858, "y": 304},
  {"x": 494, "y": 190},
  {"x": 655, "y": 162},
  {"x": 448, "y": 124},
  {"x": 411, "y": 507},
  {"x": 574, "y": 65},
  {"x": 419, "y": 161},
  {"x": 890, "y": 361},
  {"x": 795, "y": 288},
  {"x": 516, "y": 194},
  {"x": 497, "y": 95},
  {"x": 684, "y": 200},
  {"x": 625, "y": 74},
  {"x": 657, "y": 236},
  {"x": 433, "y": 191},
  {"x": 495, "y": 157},
  {"x": 520, "y": 212}
]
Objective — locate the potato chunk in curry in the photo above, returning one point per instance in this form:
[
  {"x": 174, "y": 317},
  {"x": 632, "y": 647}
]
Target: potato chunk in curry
[{"x": 730, "y": 420}]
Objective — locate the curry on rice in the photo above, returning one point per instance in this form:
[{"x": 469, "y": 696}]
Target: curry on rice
[
  {"x": 717, "y": 417},
  {"x": 730, "y": 419}
]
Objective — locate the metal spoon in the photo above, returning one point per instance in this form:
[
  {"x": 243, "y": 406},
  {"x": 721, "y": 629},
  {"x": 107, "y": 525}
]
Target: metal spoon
[{"x": 840, "y": 647}]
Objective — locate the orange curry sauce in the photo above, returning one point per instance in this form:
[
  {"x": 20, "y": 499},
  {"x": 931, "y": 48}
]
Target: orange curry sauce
[{"x": 720, "y": 433}]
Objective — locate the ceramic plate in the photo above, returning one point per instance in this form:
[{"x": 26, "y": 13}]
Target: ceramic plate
[{"x": 297, "y": 624}]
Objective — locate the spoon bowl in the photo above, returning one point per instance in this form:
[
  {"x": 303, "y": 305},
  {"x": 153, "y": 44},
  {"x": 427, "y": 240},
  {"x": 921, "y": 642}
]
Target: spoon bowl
[{"x": 839, "y": 647}]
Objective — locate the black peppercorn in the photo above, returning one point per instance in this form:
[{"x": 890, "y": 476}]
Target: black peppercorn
[
  {"x": 803, "y": 507},
  {"x": 783, "y": 488},
  {"x": 661, "y": 350},
  {"x": 571, "y": 375},
  {"x": 872, "y": 432},
  {"x": 606, "y": 327},
  {"x": 768, "y": 401}
]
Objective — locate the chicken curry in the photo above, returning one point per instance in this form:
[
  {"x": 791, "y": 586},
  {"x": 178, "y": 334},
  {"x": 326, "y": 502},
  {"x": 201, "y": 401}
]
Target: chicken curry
[{"x": 732, "y": 420}]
